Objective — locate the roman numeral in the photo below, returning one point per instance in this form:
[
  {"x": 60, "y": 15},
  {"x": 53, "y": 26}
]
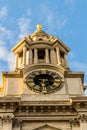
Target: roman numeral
[{"x": 57, "y": 80}]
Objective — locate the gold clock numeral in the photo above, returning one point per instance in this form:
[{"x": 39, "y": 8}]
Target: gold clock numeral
[
  {"x": 30, "y": 77},
  {"x": 31, "y": 84},
  {"x": 36, "y": 73},
  {"x": 53, "y": 86},
  {"x": 56, "y": 76},
  {"x": 34, "y": 85},
  {"x": 57, "y": 80}
]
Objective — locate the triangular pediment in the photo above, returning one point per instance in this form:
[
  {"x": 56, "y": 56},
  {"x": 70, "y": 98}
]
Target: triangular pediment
[{"x": 47, "y": 127}]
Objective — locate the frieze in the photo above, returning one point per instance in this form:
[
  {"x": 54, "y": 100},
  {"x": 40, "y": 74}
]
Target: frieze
[{"x": 55, "y": 110}]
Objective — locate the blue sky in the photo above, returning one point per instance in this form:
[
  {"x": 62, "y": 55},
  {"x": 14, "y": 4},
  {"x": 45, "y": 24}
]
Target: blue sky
[{"x": 65, "y": 19}]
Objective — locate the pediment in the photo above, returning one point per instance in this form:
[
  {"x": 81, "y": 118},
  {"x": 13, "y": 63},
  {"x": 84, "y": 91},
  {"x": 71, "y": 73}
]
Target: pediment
[{"x": 47, "y": 127}]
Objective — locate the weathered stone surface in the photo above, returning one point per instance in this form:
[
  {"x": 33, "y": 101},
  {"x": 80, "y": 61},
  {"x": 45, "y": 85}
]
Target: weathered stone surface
[{"x": 23, "y": 108}]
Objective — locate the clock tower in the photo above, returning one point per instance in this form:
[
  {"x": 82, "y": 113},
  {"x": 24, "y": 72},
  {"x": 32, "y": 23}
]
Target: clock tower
[{"x": 42, "y": 93}]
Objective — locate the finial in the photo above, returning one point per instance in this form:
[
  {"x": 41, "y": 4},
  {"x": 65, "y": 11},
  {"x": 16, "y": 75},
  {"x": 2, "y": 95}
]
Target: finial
[{"x": 39, "y": 26}]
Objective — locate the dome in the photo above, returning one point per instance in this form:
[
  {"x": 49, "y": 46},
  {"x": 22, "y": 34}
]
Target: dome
[{"x": 39, "y": 34}]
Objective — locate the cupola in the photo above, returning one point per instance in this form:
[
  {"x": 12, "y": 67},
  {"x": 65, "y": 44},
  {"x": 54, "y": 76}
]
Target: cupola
[{"x": 40, "y": 48}]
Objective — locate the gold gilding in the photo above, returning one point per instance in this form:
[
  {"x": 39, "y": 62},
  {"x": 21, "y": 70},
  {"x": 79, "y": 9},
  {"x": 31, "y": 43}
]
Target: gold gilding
[{"x": 39, "y": 26}]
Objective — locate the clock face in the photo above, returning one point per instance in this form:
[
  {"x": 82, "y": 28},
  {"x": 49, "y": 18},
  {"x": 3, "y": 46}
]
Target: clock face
[{"x": 44, "y": 81}]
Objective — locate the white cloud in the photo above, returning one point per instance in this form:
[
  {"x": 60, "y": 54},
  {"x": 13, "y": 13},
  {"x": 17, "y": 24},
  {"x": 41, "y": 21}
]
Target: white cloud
[
  {"x": 5, "y": 37},
  {"x": 62, "y": 22},
  {"x": 3, "y": 53},
  {"x": 54, "y": 19},
  {"x": 24, "y": 26},
  {"x": 3, "y": 12},
  {"x": 5, "y": 34},
  {"x": 7, "y": 56},
  {"x": 56, "y": 24}
]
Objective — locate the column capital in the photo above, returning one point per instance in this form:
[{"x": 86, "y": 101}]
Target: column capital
[
  {"x": 6, "y": 117},
  {"x": 74, "y": 122},
  {"x": 17, "y": 122},
  {"x": 83, "y": 118}
]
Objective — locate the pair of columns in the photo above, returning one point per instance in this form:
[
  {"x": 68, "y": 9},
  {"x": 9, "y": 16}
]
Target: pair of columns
[
  {"x": 52, "y": 56},
  {"x": 30, "y": 57},
  {"x": 36, "y": 55},
  {"x": 24, "y": 57}
]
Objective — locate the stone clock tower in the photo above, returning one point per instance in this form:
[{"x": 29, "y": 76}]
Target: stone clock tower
[{"x": 42, "y": 93}]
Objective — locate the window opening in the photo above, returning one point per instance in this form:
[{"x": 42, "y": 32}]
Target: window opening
[
  {"x": 62, "y": 54},
  {"x": 41, "y": 54}
]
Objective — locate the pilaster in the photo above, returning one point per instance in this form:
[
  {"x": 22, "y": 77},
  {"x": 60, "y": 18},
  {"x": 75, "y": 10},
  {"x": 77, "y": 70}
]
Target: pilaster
[
  {"x": 30, "y": 57},
  {"x": 7, "y": 121},
  {"x": 83, "y": 121},
  {"x": 35, "y": 56},
  {"x": 24, "y": 55}
]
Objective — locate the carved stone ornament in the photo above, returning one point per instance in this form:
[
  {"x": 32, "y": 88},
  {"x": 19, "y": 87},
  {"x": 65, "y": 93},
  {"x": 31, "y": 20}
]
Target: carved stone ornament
[
  {"x": 74, "y": 122},
  {"x": 83, "y": 118},
  {"x": 7, "y": 117},
  {"x": 17, "y": 122}
]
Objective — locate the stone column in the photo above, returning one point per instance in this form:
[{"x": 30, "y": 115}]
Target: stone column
[
  {"x": 24, "y": 55},
  {"x": 52, "y": 56},
  {"x": 30, "y": 57},
  {"x": 58, "y": 55},
  {"x": 83, "y": 122},
  {"x": 65, "y": 58},
  {"x": 16, "y": 60},
  {"x": 46, "y": 55},
  {"x": 7, "y": 121},
  {"x": 35, "y": 56},
  {"x": 75, "y": 124}
]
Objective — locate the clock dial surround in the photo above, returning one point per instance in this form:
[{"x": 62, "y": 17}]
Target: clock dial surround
[{"x": 44, "y": 81}]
